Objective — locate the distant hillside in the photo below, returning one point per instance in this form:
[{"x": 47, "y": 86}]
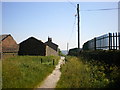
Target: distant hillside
[{"x": 64, "y": 52}]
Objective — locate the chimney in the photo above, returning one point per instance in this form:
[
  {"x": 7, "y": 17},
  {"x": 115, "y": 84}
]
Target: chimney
[{"x": 49, "y": 39}]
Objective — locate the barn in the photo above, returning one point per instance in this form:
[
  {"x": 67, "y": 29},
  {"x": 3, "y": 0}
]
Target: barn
[
  {"x": 8, "y": 45},
  {"x": 33, "y": 46}
]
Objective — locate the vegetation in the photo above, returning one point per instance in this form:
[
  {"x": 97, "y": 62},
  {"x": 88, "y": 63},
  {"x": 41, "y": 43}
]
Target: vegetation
[
  {"x": 73, "y": 52},
  {"x": 26, "y": 71},
  {"x": 0, "y": 74},
  {"x": 60, "y": 53},
  {"x": 108, "y": 56},
  {"x": 80, "y": 73}
]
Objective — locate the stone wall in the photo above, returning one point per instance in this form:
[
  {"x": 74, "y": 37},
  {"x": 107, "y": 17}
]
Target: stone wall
[{"x": 50, "y": 51}]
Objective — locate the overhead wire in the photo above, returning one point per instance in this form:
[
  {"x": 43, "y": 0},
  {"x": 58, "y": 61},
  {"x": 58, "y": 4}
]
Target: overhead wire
[
  {"x": 101, "y": 9},
  {"x": 104, "y": 9},
  {"x": 73, "y": 28},
  {"x": 74, "y": 5}
]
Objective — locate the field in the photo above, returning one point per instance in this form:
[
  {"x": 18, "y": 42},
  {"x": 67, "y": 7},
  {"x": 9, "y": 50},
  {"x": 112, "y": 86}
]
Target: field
[
  {"x": 80, "y": 73},
  {"x": 26, "y": 71}
]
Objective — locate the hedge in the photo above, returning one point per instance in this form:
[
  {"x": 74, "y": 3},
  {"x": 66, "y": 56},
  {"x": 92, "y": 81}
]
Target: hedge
[{"x": 108, "y": 56}]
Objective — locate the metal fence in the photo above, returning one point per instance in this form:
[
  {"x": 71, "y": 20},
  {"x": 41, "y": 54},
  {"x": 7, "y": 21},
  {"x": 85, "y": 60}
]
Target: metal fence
[{"x": 109, "y": 41}]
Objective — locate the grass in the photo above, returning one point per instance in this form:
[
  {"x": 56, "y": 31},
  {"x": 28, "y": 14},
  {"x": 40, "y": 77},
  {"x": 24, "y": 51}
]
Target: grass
[
  {"x": 79, "y": 73},
  {"x": 0, "y": 74},
  {"x": 26, "y": 71}
]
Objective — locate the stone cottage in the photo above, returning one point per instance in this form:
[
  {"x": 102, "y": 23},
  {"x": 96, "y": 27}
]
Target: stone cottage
[
  {"x": 51, "y": 48},
  {"x": 8, "y": 45},
  {"x": 33, "y": 46}
]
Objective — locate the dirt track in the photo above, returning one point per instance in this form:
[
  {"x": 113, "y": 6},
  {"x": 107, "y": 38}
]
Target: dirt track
[{"x": 52, "y": 79}]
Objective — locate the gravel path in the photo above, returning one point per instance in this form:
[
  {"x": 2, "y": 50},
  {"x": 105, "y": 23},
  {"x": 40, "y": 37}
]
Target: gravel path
[{"x": 52, "y": 79}]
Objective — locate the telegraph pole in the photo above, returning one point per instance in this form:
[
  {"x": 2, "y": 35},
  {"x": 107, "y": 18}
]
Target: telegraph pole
[
  {"x": 78, "y": 27},
  {"x": 67, "y": 47}
]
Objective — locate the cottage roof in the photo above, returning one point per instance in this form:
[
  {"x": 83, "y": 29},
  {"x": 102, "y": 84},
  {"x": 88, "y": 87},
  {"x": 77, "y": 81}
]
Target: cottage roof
[
  {"x": 31, "y": 38},
  {"x": 8, "y": 47},
  {"x": 32, "y": 46},
  {"x": 51, "y": 44},
  {"x": 2, "y": 37}
]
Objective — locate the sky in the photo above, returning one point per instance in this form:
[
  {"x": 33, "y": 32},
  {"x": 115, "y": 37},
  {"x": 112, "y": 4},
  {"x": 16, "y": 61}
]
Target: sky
[
  {"x": 0, "y": 17},
  {"x": 119, "y": 17},
  {"x": 57, "y": 20}
]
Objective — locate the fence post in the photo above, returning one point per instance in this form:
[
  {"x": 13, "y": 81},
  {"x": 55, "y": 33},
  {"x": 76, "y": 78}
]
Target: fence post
[
  {"x": 109, "y": 41},
  {"x": 41, "y": 60},
  {"x": 113, "y": 41},
  {"x": 53, "y": 61},
  {"x": 116, "y": 41},
  {"x": 119, "y": 39},
  {"x": 94, "y": 43}
]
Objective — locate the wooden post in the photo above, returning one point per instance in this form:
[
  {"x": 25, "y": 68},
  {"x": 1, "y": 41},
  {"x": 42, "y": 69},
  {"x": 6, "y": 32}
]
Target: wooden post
[
  {"x": 65, "y": 60},
  {"x": 53, "y": 62},
  {"x": 41, "y": 60},
  {"x": 94, "y": 43},
  {"x": 78, "y": 27}
]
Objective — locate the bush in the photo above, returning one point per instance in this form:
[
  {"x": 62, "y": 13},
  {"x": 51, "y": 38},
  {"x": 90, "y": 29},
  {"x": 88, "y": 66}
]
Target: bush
[
  {"x": 109, "y": 57},
  {"x": 81, "y": 73},
  {"x": 73, "y": 52}
]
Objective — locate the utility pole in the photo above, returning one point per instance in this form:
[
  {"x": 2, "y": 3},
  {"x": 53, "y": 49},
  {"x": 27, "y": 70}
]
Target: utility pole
[
  {"x": 67, "y": 47},
  {"x": 78, "y": 27}
]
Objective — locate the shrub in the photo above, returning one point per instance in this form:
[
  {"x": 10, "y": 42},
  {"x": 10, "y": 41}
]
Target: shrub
[
  {"x": 81, "y": 73},
  {"x": 107, "y": 56}
]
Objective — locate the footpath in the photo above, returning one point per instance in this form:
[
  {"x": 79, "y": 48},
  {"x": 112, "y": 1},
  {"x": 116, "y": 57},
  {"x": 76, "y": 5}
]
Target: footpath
[{"x": 52, "y": 79}]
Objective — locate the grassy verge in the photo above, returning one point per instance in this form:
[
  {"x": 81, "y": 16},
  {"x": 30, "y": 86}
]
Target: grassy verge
[
  {"x": 78, "y": 73},
  {"x": 26, "y": 71},
  {"x": 0, "y": 74}
]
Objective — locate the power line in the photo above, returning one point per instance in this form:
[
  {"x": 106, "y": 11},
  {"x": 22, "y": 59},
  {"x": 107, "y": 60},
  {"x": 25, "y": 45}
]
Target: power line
[
  {"x": 74, "y": 5},
  {"x": 71, "y": 33},
  {"x": 106, "y": 9},
  {"x": 72, "y": 28}
]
